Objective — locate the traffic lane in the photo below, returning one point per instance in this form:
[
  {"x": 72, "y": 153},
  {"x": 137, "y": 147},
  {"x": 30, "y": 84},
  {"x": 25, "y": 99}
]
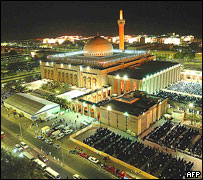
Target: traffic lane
[
  {"x": 10, "y": 141},
  {"x": 81, "y": 165}
]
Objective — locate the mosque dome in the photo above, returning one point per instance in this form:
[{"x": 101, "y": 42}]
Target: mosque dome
[{"x": 98, "y": 46}]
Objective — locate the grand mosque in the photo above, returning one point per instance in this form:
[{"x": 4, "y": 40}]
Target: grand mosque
[{"x": 120, "y": 82}]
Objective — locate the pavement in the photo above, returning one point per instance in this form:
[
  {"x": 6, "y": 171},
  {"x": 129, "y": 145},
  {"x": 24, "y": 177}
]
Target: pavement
[{"x": 73, "y": 164}]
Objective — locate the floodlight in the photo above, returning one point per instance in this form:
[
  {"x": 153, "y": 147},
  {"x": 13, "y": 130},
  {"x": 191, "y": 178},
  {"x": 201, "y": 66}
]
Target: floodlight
[{"x": 109, "y": 108}]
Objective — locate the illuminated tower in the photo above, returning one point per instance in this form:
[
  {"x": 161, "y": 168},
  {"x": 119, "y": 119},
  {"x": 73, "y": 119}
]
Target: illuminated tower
[{"x": 121, "y": 23}]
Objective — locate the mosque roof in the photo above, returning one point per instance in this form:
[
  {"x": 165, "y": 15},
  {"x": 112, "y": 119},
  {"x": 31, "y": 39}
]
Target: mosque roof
[{"x": 98, "y": 46}]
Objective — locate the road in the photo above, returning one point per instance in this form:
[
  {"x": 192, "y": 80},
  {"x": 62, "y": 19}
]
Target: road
[
  {"x": 74, "y": 163},
  {"x": 4, "y": 80},
  {"x": 9, "y": 142}
]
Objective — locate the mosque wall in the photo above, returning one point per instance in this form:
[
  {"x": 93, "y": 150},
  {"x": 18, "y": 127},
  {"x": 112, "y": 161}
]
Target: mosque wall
[
  {"x": 136, "y": 124},
  {"x": 151, "y": 84}
]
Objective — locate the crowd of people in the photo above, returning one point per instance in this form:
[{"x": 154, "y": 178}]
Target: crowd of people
[
  {"x": 186, "y": 99},
  {"x": 187, "y": 87},
  {"x": 159, "y": 132},
  {"x": 197, "y": 148},
  {"x": 99, "y": 134},
  {"x": 177, "y": 137},
  {"x": 146, "y": 158}
]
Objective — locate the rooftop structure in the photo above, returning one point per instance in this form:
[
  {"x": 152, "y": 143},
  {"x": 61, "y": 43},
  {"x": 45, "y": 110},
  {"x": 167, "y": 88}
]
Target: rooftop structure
[
  {"x": 98, "y": 46},
  {"x": 73, "y": 94},
  {"x": 30, "y": 105},
  {"x": 148, "y": 68},
  {"x": 79, "y": 58},
  {"x": 134, "y": 103}
]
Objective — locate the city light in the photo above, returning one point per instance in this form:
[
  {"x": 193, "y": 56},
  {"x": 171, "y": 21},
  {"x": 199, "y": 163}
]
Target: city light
[
  {"x": 108, "y": 108},
  {"x": 102, "y": 91},
  {"x": 117, "y": 76},
  {"x": 125, "y": 77}
]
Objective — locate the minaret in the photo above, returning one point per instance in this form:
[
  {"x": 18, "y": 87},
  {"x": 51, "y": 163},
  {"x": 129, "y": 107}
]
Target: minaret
[{"x": 121, "y": 23}]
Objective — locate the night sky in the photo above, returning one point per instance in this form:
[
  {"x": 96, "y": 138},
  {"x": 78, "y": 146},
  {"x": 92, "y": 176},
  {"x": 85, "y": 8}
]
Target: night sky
[{"x": 40, "y": 19}]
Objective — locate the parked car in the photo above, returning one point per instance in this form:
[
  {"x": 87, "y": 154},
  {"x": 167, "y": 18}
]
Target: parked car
[
  {"x": 66, "y": 128},
  {"x": 73, "y": 152},
  {"x": 76, "y": 176},
  {"x": 24, "y": 145},
  {"x": 93, "y": 159},
  {"x": 56, "y": 127},
  {"x": 50, "y": 132},
  {"x": 2, "y": 134},
  {"x": 60, "y": 136},
  {"x": 111, "y": 169},
  {"x": 61, "y": 126},
  {"x": 68, "y": 131},
  {"x": 48, "y": 141},
  {"x": 55, "y": 134},
  {"x": 43, "y": 158},
  {"x": 41, "y": 138},
  {"x": 57, "y": 146},
  {"x": 88, "y": 121},
  {"x": 18, "y": 148},
  {"x": 83, "y": 155}
]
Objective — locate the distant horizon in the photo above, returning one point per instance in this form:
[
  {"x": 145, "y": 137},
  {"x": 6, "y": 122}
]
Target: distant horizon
[
  {"x": 31, "y": 20},
  {"x": 101, "y": 35}
]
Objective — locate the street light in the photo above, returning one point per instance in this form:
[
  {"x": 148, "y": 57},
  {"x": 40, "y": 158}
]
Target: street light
[
  {"x": 108, "y": 109},
  {"x": 191, "y": 105},
  {"x": 125, "y": 77},
  {"x": 126, "y": 115},
  {"x": 21, "y": 131}
]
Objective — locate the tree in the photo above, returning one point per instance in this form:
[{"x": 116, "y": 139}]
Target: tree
[
  {"x": 66, "y": 86},
  {"x": 13, "y": 167},
  {"x": 12, "y": 52}
]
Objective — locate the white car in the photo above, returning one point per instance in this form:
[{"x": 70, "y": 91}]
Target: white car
[
  {"x": 60, "y": 136},
  {"x": 88, "y": 121},
  {"x": 93, "y": 159},
  {"x": 18, "y": 148},
  {"x": 76, "y": 176},
  {"x": 24, "y": 145},
  {"x": 68, "y": 131}
]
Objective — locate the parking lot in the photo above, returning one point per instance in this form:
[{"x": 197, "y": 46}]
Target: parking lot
[{"x": 66, "y": 123}]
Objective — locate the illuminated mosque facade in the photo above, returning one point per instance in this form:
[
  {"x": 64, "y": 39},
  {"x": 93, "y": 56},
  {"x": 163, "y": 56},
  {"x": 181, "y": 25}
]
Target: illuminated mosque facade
[{"x": 120, "y": 82}]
